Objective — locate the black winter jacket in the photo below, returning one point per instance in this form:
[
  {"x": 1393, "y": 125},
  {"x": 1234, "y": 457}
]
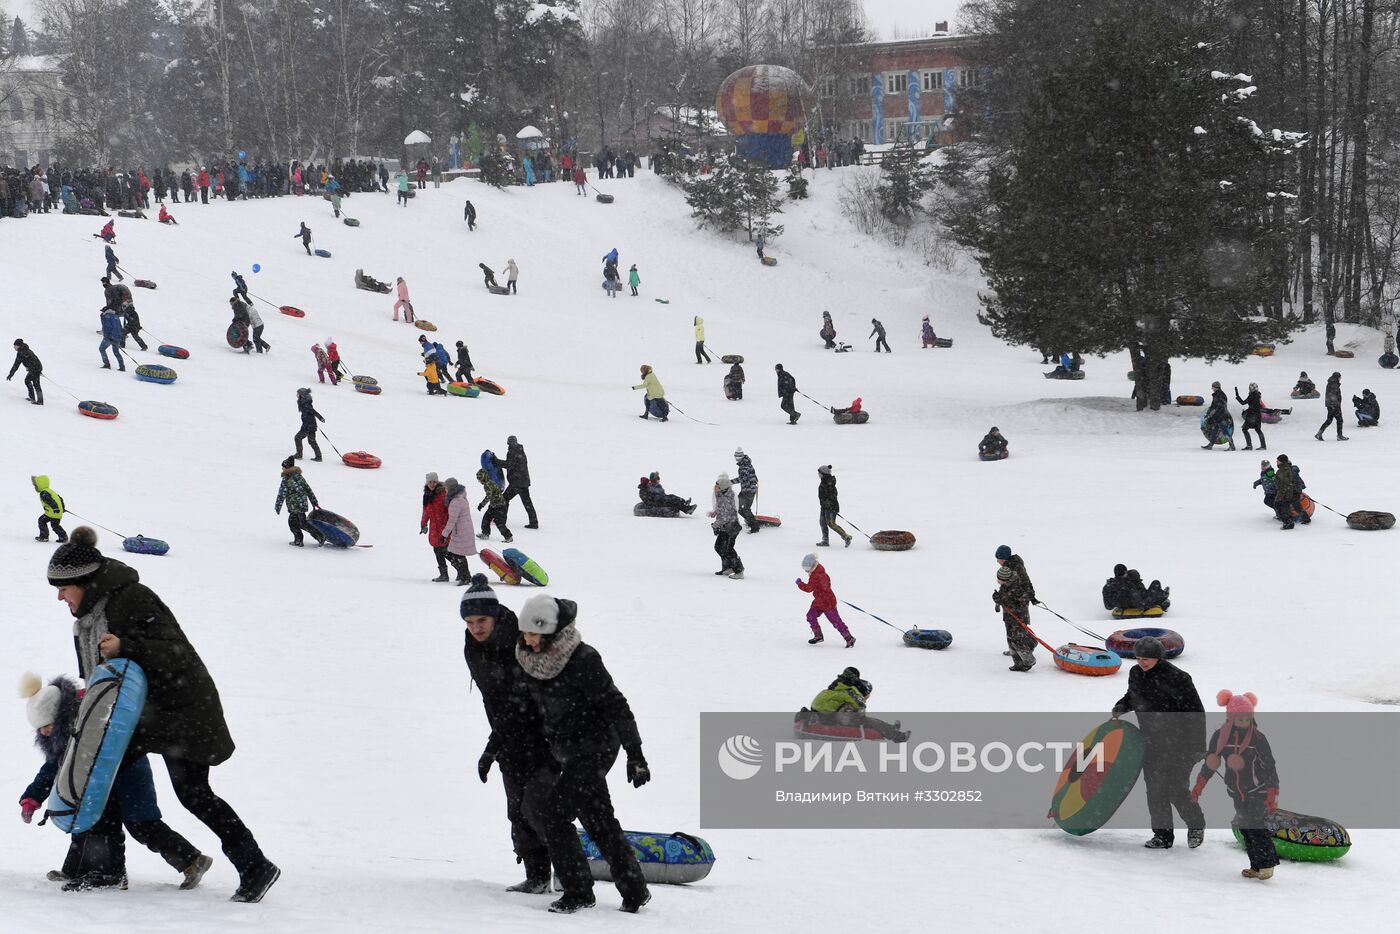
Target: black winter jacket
[
  {"x": 24, "y": 357},
  {"x": 517, "y": 465},
  {"x": 583, "y": 711},
  {"x": 309, "y": 415},
  {"x": 1170, "y": 713},
  {"x": 787, "y": 385},
  {"x": 826, "y": 494},
  {"x": 1252, "y": 405},
  {"x": 517, "y": 732},
  {"x": 1259, "y": 772}
]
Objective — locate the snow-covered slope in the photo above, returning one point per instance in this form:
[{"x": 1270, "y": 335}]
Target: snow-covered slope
[{"x": 342, "y": 673}]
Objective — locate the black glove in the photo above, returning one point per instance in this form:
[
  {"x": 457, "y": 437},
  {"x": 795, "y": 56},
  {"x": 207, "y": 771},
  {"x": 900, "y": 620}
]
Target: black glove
[
  {"x": 483, "y": 765},
  {"x": 423, "y": 530},
  {"x": 637, "y": 771}
]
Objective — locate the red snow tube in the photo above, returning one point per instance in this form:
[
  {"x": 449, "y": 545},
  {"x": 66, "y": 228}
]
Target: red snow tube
[
  {"x": 489, "y": 385},
  {"x": 361, "y": 459},
  {"x": 293, "y": 311},
  {"x": 102, "y": 410},
  {"x": 810, "y": 729},
  {"x": 892, "y": 540}
]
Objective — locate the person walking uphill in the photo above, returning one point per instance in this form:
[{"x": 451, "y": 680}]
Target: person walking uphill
[
  {"x": 1253, "y": 416},
  {"x": 586, "y": 718},
  {"x": 1173, "y": 725},
  {"x": 1251, "y": 779},
  {"x": 494, "y": 502},
  {"x": 52, "y": 505},
  {"x": 113, "y": 334},
  {"x": 296, "y": 492},
  {"x": 1332, "y": 398},
  {"x": 112, "y": 269},
  {"x": 634, "y": 279},
  {"x": 828, "y": 505},
  {"x": 305, "y": 234},
  {"x": 403, "y": 302},
  {"x": 459, "y": 531},
  {"x": 517, "y": 467},
  {"x": 654, "y": 403},
  {"x": 726, "y": 528},
  {"x": 818, "y": 584},
  {"x": 33, "y": 371},
  {"x": 699, "y": 339},
  {"x": 433, "y": 522},
  {"x": 517, "y": 743},
  {"x": 748, "y": 488},
  {"x": 787, "y": 387},
  {"x": 116, "y": 616},
  {"x": 878, "y": 332},
  {"x": 309, "y": 418},
  {"x": 1013, "y": 598}
]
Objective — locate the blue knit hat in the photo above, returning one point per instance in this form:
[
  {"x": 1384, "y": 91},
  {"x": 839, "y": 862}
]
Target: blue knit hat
[{"x": 1003, "y": 552}]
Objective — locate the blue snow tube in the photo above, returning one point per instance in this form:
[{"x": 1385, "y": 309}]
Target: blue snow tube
[
  {"x": 488, "y": 464},
  {"x": 340, "y": 532},
  {"x": 141, "y": 545},
  {"x": 928, "y": 638},
  {"x": 668, "y": 859},
  {"x": 107, "y": 719}
]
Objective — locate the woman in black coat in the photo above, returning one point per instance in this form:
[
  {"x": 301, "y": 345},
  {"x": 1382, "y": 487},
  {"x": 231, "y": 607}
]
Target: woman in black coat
[
  {"x": 183, "y": 721},
  {"x": 1253, "y": 410},
  {"x": 586, "y": 719}
]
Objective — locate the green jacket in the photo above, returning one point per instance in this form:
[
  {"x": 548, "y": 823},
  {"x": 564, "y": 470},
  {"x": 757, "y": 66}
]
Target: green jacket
[
  {"x": 837, "y": 698},
  {"x": 700, "y": 330},
  {"x": 633, "y": 279},
  {"x": 51, "y": 501},
  {"x": 493, "y": 492}
]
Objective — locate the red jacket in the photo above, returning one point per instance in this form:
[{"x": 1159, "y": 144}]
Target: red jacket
[
  {"x": 144, "y": 181},
  {"x": 566, "y": 162},
  {"x": 203, "y": 179},
  {"x": 435, "y": 515},
  {"x": 819, "y": 586},
  {"x": 580, "y": 176}
]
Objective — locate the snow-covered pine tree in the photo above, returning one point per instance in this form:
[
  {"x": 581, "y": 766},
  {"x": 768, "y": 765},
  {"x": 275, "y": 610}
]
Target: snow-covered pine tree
[{"x": 904, "y": 181}]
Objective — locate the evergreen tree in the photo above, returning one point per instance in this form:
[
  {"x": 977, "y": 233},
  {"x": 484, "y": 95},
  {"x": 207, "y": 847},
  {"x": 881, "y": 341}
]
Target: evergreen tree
[
  {"x": 1119, "y": 209},
  {"x": 735, "y": 195},
  {"x": 904, "y": 180},
  {"x": 19, "y": 39}
]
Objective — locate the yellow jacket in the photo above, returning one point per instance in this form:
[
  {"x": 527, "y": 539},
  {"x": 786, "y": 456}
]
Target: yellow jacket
[
  {"x": 652, "y": 385},
  {"x": 430, "y": 373},
  {"x": 700, "y": 330}
]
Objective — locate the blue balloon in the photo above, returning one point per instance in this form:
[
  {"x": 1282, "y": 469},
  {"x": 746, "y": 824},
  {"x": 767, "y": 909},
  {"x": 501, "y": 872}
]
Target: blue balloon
[
  {"x": 242, "y": 154},
  {"x": 257, "y": 267}
]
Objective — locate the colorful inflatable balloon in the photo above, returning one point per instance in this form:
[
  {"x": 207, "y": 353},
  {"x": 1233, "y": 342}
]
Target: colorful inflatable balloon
[
  {"x": 257, "y": 267},
  {"x": 763, "y": 106}
]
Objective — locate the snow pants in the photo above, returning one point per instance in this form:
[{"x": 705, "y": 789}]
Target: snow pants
[
  {"x": 464, "y": 374},
  {"x": 258, "y": 342},
  {"x": 103, "y": 848},
  {"x": 512, "y": 491},
  {"x": 1018, "y": 640},
  {"x": 827, "y": 520},
  {"x": 832, "y": 616},
  {"x": 1168, "y": 777},
  {"x": 33, "y": 386},
  {"x": 581, "y": 791},
  {"x": 445, "y": 557},
  {"x": 789, "y": 408},
  {"x": 308, "y": 432},
  {"x": 322, "y": 372},
  {"x": 296, "y": 521},
  {"x": 699, "y": 349},
  {"x": 746, "y": 509},
  {"x": 497, "y": 515},
  {"x": 724, "y": 547},
  {"x": 526, "y": 789},
  {"x": 1250, "y": 816},
  {"x": 407, "y": 310},
  {"x": 46, "y": 523},
  {"x": 1333, "y": 412},
  {"x": 881, "y": 342},
  {"x": 135, "y": 334}
]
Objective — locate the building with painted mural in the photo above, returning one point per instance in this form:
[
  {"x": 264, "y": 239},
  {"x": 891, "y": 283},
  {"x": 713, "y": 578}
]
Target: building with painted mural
[{"x": 880, "y": 92}]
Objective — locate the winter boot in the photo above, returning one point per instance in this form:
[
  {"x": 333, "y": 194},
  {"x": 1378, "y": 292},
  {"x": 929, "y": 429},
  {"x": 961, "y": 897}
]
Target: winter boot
[
  {"x": 823, "y": 544},
  {"x": 850, "y": 641},
  {"x": 195, "y": 871},
  {"x": 297, "y": 542},
  {"x": 816, "y": 640},
  {"x": 848, "y": 540},
  {"x": 1159, "y": 841},
  {"x": 254, "y": 885},
  {"x": 633, "y": 903},
  {"x": 572, "y": 903},
  {"x": 56, "y": 875},
  {"x": 1340, "y": 437},
  {"x": 532, "y": 525},
  {"x": 1319, "y": 437},
  {"x": 1266, "y": 873},
  {"x": 41, "y": 538},
  {"x": 441, "y": 578},
  {"x": 1195, "y": 838},
  {"x": 1288, "y": 524},
  {"x": 722, "y": 572},
  {"x": 530, "y": 887},
  {"x": 92, "y": 881},
  {"x": 736, "y": 575}
]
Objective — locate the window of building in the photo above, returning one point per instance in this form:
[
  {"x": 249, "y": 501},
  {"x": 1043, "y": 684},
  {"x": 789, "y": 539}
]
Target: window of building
[
  {"x": 896, "y": 82},
  {"x": 16, "y": 111},
  {"x": 860, "y": 86},
  {"x": 933, "y": 80},
  {"x": 968, "y": 78},
  {"x": 40, "y": 111}
]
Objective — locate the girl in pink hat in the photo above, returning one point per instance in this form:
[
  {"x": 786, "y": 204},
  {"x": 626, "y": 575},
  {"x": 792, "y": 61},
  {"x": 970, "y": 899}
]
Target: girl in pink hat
[{"x": 1251, "y": 778}]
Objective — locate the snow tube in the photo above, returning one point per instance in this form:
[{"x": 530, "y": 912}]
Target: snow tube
[
  {"x": 1222, "y": 436},
  {"x": 350, "y": 222},
  {"x": 1065, "y": 374},
  {"x": 1121, "y": 642},
  {"x": 771, "y": 521},
  {"x": 658, "y": 408},
  {"x": 361, "y": 459},
  {"x": 292, "y": 311},
  {"x": 526, "y": 567},
  {"x": 141, "y": 545},
  {"x": 488, "y": 464},
  {"x": 768, "y": 261},
  {"x": 666, "y": 859},
  {"x": 1342, "y": 354},
  {"x": 170, "y": 350},
  {"x": 732, "y": 358},
  {"x": 324, "y": 254},
  {"x": 1302, "y": 837},
  {"x": 425, "y": 325},
  {"x": 806, "y": 726},
  {"x": 144, "y": 284},
  {"x": 1087, "y": 660},
  {"x": 1295, "y": 394},
  {"x": 1368, "y": 520},
  {"x": 994, "y": 457},
  {"x": 369, "y": 389},
  {"x": 943, "y": 342},
  {"x": 498, "y": 290},
  {"x": 1263, "y": 350},
  {"x": 655, "y": 512},
  {"x": 890, "y": 540},
  {"x": 487, "y": 385},
  {"x": 603, "y": 199},
  {"x": 1133, "y": 612},
  {"x": 236, "y": 335},
  {"x": 132, "y": 215},
  {"x": 155, "y": 374},
  {"x": 928, "y": 638},
  {"x": 501, "y": 566},
  {"x": 340, "y": 532},
  {"x": 107, "y": 718},
  {"x": 1190, "y": 400},
  {"x": 103, "y": 410},
  {"x": 463, "y": 389},
  {"x": 364, "y": 380},
  {"x": 851, "y": 418},
  {"x": 1307, "y": 505},
  {"x": 1093, "y": 786},
  {"x": 1270, "y": 416},
  {"x": 1389, "y": 361}
]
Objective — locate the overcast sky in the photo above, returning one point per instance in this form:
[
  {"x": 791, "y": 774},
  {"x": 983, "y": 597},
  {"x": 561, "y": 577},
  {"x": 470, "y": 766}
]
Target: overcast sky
[{"x": 911, "y": 17}]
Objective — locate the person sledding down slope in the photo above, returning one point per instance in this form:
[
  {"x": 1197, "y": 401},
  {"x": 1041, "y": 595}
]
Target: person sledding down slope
[
  {"x": 1217, "y": 424},
  {"x": 1125, "y": 591},
  {"x": 843, "y": 704},
  {"x": 993, "y": 445},
  {"x": 652, "y": 493}
]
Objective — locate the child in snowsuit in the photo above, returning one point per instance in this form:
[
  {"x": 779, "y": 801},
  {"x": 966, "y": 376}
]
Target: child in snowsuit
[
  {"x": 109, "y": 232},
  {"x": 333, "y": 354},
  {"x": 305, "y": 234},
  {"x": 52, "y": 710},
  {"x": 166, "y": 217},
  {"x": 297, "y": 493},
  {"x": 927, "y": 334},
  {"x": 323, "y": 365},
  {"x": 112, "y": 261},
  {"x": 1266, "y": 480},
  {"x": 734, "y": 383},
  {"x": 818, "y": 584},
  {"x": 843, "y": 703},
  {"x": 52, "y": 505},
  {"x": 497, "y": 511},
  {"x": 33, "y": 371},
  {"x": 1304, "y": 386},
  {"x": 403, "y": 302},
  {"x": 878, "y": 332},
  {"x": 309, "y": 418},
  {"x": 633, "y": 279},
  {"x": 828, "y": 331},
  {"x": 1013, "y": 598},
  {"x": 992, "y": 445},
  {"x": 489, "y": 275},
  {"x": 430, "y": 375},
  {"x": 1251, "y": 779}
]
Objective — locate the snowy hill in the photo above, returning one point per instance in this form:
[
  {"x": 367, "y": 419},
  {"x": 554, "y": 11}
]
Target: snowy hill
[{"x": 342, "y": 674}]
